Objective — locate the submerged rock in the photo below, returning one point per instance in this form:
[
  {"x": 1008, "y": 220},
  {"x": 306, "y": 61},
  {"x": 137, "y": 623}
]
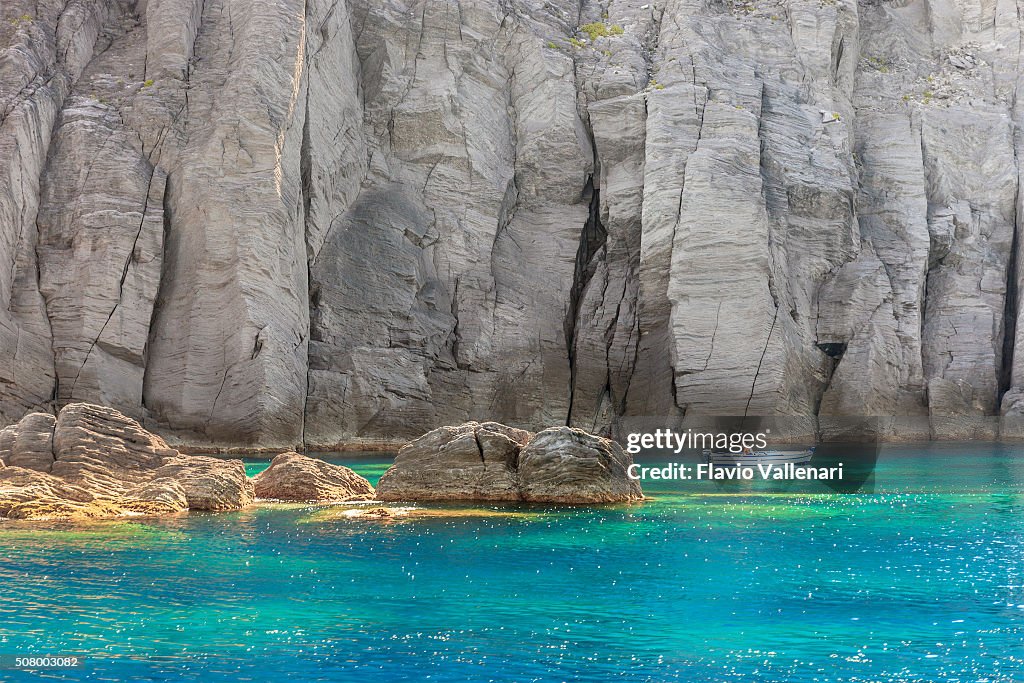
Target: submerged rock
[
  {"x": 292, "y": 476},
  {"x": 402, "y": 513},
  {"x": 94, "y": 462},
  {"x": 490, "y": 461}
]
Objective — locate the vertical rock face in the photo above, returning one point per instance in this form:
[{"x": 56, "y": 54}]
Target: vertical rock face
[
  {"x": 313, "y": 222},
  {"x": 443, "y": 288},
  {"x": 45, "y": 48},
  {"x": 228, "y": 340},
  {"x": 99, "y": 263}
]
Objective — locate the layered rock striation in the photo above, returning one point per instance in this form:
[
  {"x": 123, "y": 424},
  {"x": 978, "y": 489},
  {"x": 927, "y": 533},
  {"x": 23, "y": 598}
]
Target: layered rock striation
[
  {"x": 493, "y": 462},
  {"x": 94, "y": 462},
  {"x": 317, "y": 222}
]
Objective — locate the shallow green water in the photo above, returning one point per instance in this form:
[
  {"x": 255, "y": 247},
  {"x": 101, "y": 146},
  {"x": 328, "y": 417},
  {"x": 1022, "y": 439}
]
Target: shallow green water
[{"x": 917, "y": 579}]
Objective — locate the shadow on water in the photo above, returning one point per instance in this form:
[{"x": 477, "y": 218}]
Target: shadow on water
[
  {"x": 852, "y": 443},
  {"x": 858, "y": 461}
]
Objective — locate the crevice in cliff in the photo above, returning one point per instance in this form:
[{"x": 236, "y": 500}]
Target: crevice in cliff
[
  {"x": 768, "y": 182},
  {"x": 257, "y": 344},
  {"x": 510, "y": 201},
  {"x": 305, "y": 190},
  {"x": 22, "y": 222},
  {"x": 714, "y": 335},
  {"x": 216, "y": 399},
  {"x": 1010, "y": 310},
  {"x": 479, "y": 446},
  {"x": 166, "y": 268},
  {"x": 506, "y": 214},
  {"x": 27, "y": 92},
  {"x": 837, "y": 59},
  {"x": 632, "y": 340},
  {"x": 834, "y": 352},
  {"x": 592, "y": 239},
  {"x": 455, "y": 336},
  {"x": 699, "y": 109},
  {"x": 55, "y": 392},
  {"x": 306, "y": 177},
  {"x": 930, "y": 264},
  {"x": 120, "y": 285},
  {"x": 760, "y": 361}
]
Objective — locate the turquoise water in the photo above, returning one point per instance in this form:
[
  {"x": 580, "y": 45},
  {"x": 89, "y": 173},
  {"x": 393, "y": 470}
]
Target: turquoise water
[{"x": 917, "y": 579}]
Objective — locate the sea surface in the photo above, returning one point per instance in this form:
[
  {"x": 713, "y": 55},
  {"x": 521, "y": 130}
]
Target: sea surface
[{"x": 916, "y": 577}]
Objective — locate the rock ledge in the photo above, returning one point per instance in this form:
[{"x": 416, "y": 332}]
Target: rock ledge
[{"x": 93, "y": 462}]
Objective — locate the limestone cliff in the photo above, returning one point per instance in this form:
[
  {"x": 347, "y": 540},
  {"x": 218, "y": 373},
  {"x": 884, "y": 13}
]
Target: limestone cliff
[{"x": 324, "y": 221}]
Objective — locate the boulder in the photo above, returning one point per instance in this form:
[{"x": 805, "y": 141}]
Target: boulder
[
  {"x": 210, "y": 483},
  {"x": 473, "y": 461},
  {"x": 566, "y": 465},
  {"x": 94, "y": 462},
  {"x": 103, "y": 450},
  {"x": 29, "y": 443},
  {"x": 1011, "y": 423},
  {"x": 292, "y": 476},
  {"x": 490, "y": 461}
]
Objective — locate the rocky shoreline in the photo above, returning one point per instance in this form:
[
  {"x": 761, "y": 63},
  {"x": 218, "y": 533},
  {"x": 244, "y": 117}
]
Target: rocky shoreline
[
  {"x": 92, "y": 462},
  {"x": 492, "y": 462}
]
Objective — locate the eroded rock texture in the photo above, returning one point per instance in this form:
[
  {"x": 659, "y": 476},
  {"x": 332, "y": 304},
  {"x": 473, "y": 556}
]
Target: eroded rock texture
[
  {"x": 292, "y": 476},
  {"x": 490, "y": 461},
  {"x": 567, "y": 465},
  {"x": 472, "y": 461},
  {"x": 316, "y": 222},
  {"x": 94, "y": 462}
]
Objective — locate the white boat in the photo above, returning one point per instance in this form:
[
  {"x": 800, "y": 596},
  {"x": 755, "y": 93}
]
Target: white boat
[{"x": 767, "y": 457}]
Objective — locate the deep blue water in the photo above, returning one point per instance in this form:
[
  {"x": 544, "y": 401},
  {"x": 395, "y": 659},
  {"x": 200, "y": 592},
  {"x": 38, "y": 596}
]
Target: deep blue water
[{"x": 917, "y": 578}]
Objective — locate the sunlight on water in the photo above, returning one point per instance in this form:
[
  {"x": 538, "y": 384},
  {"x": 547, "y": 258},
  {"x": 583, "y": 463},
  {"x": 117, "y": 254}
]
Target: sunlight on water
[{"x": 917, "y": 578}]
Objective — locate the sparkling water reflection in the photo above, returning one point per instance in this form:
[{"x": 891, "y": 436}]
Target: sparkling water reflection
[{"x": 918, "y": 578}]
